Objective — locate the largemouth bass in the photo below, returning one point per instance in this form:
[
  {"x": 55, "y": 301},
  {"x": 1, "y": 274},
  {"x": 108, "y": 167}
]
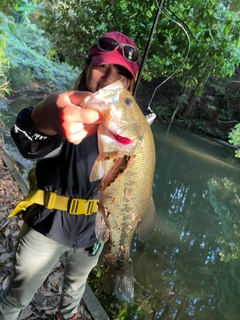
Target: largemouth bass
[{"x": 125, "y": 165}]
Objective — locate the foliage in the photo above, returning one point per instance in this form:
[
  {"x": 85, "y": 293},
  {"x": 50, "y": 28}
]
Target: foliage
[
  {"x": 4, "y": 85},
  {"x": 210, "y": 29},
  {"x": 80, "y": 23},
  {"x": 234, "y": 138},
  {"x": 5, "y": 7},
  {"x": 213, "y": 30},
  {"x": 27, "y": 48}
]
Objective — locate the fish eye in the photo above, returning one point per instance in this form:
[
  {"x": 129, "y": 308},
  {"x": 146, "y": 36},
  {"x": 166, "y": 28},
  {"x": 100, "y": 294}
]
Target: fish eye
[{"x": 128, "y": 102}]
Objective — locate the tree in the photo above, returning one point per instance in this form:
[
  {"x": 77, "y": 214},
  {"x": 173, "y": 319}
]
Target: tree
[{"x": 213, "y": 30}]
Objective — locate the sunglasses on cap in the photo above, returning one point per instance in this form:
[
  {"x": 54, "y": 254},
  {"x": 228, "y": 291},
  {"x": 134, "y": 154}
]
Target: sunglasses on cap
[{"x": 109, "y": 44}]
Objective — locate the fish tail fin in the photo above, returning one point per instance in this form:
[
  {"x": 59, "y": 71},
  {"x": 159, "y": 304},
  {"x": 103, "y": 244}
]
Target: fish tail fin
[
  {"x": 117, "y": 282},
  {"x": 124, "y": 284}
]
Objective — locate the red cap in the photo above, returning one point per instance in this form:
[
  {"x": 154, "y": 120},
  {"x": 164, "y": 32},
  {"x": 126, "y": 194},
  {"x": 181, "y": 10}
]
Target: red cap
[{"x": 114, "y": 57}]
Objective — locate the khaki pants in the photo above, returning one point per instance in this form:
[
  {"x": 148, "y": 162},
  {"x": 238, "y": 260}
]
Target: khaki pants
[{"x": 35, "y": 256}]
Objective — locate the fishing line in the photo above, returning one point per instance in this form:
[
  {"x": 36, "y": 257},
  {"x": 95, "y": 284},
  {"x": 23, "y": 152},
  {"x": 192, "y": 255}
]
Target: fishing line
[{"x": 184, "y": 60}]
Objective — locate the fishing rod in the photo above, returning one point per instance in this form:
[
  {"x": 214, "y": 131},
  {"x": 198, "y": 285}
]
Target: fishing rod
[
  {"x": 148, "y": 46},
  {"x": 151, "y": 113}
]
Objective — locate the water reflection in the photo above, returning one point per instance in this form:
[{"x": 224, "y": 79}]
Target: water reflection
[
  {"x": 8, "y": 116},
  {"x": 191, "y": 265}
]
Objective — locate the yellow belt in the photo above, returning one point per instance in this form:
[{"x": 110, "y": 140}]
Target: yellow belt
[{"x": 51, "y": 200}]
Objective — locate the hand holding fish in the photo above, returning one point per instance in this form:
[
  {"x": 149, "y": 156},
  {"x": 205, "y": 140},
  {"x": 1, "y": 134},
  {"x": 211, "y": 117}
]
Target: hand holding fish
[{"x": 61, "y": 113}]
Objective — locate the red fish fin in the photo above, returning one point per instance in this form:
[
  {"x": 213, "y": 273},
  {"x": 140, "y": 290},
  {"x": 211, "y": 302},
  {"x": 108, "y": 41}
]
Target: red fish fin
[{"x": 146, "y": 227}]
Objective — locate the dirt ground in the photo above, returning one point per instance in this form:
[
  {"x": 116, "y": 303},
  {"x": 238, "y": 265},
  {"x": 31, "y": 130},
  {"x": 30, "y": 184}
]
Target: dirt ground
[{"x": 45, "y": 302}]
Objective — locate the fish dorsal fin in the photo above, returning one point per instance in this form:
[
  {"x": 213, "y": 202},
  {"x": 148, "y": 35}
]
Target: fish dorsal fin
[{"x": 146, "y": 226}]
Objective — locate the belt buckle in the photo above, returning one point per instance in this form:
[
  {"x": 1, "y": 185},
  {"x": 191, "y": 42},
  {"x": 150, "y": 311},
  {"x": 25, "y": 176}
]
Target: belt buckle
[
  {"x": 49, "y": 200},
  {"x": 82, "y": 206},
  {"x": 92, "y": 207}
]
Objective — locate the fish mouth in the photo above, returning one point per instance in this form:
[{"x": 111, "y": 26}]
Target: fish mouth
[{"x": 122, "y": 140}]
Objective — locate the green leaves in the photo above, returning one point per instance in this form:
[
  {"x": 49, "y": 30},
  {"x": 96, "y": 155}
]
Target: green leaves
[
  {"x": 212, "y": 29},
  {"x": 234, "y": 139}
]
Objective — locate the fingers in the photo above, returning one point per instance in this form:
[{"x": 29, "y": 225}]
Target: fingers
[
  {"x": 76, "y": 136},
  {"x": 82, "y": 114},
  {"x": 61, "y": 113},
  {"x": 69, "y": 104},
  {"x": 87, "y": 116},
  {"x": 77, "y": 123}
]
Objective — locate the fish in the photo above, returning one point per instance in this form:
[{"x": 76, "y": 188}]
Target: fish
[{"x": 125, "y": 166}]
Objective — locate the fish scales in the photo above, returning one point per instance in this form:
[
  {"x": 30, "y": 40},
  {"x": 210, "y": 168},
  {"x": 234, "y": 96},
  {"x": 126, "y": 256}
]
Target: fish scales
[{"x": 125, "y": 164}]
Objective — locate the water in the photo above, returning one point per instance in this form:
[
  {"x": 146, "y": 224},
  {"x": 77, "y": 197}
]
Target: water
[
  {"x": 8, "y": 116},
  {"x": 190, "y": 268},
  {"x": 191, "y": 264}
]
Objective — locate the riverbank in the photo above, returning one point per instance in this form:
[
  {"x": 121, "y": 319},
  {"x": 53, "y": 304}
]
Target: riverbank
[{"x": 45, "y": 303}]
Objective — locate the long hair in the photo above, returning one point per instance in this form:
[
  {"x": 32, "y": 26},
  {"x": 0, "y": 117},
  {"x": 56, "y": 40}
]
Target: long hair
[{"x": 80, "y": 83}]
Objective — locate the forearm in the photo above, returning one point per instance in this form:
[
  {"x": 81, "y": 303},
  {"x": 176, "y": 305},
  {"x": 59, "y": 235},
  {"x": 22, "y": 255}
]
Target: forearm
[
  {"x": 31, "y": 143},
  {"x": 42, "y": 116}
]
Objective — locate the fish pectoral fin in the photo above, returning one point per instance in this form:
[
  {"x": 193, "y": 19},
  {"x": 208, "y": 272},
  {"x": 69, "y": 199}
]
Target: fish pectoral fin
[
  {"x": 97, "y": 170},
  {"x": 103, "y": 165},
  {"x": 146, "y": 227}
]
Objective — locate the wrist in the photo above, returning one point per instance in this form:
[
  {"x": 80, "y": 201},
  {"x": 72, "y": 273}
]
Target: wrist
[{"x": 40, "y": 121}]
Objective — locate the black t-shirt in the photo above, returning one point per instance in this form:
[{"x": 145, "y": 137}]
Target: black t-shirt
[{"x": 63, "y": 168}]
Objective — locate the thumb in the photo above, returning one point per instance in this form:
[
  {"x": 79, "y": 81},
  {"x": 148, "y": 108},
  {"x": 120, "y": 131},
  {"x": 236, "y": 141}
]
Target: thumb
[{"x": 76, "y": 97}]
